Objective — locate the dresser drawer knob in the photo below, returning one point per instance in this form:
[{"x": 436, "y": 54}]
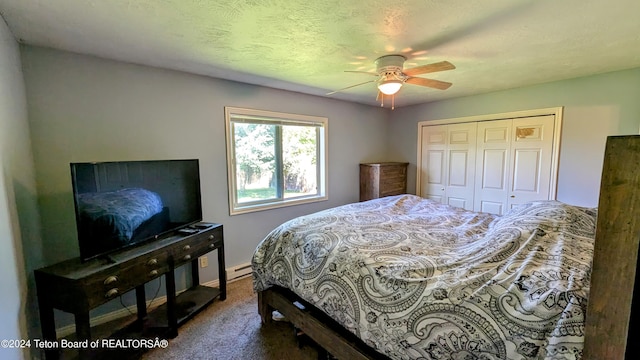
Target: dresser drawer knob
[
  {"x": 152, "y": 262},
  {"x": 211, "y": 237},
  {"x": 186, "y": 247},
  {"x": 111, "y": 293},
  {"x": 110, "y": 280},
  {"x": 153, "y": 272},
  {"x": 187, "y": 257},
  {"x": 212, "y": 246}
]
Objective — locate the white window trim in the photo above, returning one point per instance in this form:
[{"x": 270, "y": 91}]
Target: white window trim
[{"x": 235, "y": 209}]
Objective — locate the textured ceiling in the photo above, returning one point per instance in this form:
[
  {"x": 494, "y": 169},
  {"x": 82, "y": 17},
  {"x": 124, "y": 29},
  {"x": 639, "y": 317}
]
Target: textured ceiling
[{"x": 305, "y": 45}]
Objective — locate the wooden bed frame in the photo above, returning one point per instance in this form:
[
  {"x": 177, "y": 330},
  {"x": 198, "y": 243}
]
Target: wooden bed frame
[
  {"x": 610, "y": 313},
  {"x": 323, "y": 330}
]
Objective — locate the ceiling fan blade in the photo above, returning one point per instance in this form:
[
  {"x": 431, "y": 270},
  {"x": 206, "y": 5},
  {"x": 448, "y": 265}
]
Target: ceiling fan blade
[
  {"x": 436, "y": 84},
  {"x": 349, "y": 87},
  {"x": 429, "y": 68},
  {"x": 363, "y": 72}
]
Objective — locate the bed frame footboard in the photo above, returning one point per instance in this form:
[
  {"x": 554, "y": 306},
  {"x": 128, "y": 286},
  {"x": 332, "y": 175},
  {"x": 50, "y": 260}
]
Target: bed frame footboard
[{"x": 325, "y": 331}]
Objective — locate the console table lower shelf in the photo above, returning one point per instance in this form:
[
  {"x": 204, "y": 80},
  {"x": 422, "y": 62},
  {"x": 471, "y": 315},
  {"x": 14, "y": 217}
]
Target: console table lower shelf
[
  {"x": 76, "y": 287},
  {"x": 188, "y": 304}
]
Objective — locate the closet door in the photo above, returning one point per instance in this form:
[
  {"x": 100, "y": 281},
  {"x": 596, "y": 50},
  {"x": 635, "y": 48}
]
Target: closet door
[
  {"x": 433, "y": 162},
  {"x": 531, "y": 154},
  {"x": 448, "y": 164},
  {"x": 492, "y": 166},
  {"x": 514, "y": 162}
]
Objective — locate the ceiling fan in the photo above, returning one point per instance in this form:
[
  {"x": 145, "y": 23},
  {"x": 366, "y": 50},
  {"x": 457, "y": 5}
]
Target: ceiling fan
[{"x": 391, "y": 76}]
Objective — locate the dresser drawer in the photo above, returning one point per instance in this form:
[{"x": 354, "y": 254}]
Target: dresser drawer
[
  {"x": 392, "y": 183},
  {"x": 197, "y": 245},
  {"x": 110, "y": 284},
  {"x": 395, "y": 188},
  {"x": 393, "y": 171}
]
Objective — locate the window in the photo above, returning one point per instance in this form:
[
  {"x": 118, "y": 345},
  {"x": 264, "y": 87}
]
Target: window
[{"x": 274, "y": 159}]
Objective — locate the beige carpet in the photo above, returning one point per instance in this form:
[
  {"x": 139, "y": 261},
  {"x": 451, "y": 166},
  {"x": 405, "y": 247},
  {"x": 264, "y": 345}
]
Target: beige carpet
[{"x": 231, "y": 329}]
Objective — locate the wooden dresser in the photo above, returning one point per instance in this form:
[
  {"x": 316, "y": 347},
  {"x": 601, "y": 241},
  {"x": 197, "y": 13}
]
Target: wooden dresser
[{"x": 382, "y": 179}]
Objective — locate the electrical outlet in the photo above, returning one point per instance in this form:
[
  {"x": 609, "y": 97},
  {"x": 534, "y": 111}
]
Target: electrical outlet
[{"x": 204, "y": 261}]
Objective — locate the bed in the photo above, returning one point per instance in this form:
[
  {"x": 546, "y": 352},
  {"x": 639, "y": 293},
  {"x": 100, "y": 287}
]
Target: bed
[{"x": 404, "y": 277}]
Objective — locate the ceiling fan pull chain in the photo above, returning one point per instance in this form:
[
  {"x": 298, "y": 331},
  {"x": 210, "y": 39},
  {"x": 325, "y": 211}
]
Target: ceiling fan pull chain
[{"x": 393, "y": 101}]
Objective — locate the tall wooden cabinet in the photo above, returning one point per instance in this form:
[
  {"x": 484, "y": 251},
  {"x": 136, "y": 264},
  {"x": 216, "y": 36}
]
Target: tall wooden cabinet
[{"x": 382, "y": 179}]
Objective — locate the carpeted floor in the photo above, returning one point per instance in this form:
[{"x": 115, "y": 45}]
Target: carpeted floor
[{"x": 231, "y": 329}]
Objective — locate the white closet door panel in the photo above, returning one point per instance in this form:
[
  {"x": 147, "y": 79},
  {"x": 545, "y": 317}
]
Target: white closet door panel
[
  {"x": 462, "y": 134},
  {"x": 435, "y": 176},
  {"x": 492, "y": 167},
  {"x": 458, "y": 171},
  {"x": 494, "y": 170},
  {"x": 459, "y": 189},
  {"x": 435, "y": 197},
  {"x": 437, "y": 135},
  {"x": 498, "y": 134},
  {"x": 436, "y": 161},
  {"x": 491, "y": 207},
  {"x": 461, "y": 165},
  {"x": 458, "y": 202},
  {"x": 532, "y": 146},
  {"x": 526, "y": 172},
  {"x": 433, "y": 163}
]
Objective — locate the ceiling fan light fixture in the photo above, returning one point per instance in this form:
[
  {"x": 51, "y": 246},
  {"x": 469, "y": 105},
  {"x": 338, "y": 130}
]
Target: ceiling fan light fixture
[{"x": 390, "y": 87}]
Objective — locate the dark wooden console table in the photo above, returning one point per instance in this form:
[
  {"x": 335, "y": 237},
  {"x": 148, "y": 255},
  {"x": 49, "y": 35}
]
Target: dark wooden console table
[{"x": 77, "y": 287}]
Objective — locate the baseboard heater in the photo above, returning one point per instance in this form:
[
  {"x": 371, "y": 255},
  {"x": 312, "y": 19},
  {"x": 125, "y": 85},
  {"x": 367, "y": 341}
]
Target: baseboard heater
[{"x": 239, "y": 272}]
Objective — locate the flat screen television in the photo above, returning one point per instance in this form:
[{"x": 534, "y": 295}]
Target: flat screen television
[{"x": 120, "y": 204}]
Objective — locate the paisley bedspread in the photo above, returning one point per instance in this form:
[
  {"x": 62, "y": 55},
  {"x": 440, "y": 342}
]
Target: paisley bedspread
[{"x": 416, "y": 279}]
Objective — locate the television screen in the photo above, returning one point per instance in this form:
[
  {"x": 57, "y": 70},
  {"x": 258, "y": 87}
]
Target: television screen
[{"x": 125, "y": 203}]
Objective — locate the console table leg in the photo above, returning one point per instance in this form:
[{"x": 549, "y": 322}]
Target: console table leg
[
  {"x": 222, "y": 273},
  {"x": 172, "y": 316},
  {"x": 47, "y": 323},
  {"x": 195, "y": 273},
  {"x": 83, "y": 332},
  {"x": 141, "y": 303}
]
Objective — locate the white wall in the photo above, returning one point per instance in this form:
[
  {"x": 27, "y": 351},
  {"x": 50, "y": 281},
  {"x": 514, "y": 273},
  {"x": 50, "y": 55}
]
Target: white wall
[
  {"x": 594, "y": 107},
  {"x": 83, "y": 108},
  {"x": 18, "y": 208}
]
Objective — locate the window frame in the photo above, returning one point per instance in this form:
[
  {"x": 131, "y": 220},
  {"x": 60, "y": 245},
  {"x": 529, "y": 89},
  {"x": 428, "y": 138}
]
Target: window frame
[{"x": 275, "y": 118}]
